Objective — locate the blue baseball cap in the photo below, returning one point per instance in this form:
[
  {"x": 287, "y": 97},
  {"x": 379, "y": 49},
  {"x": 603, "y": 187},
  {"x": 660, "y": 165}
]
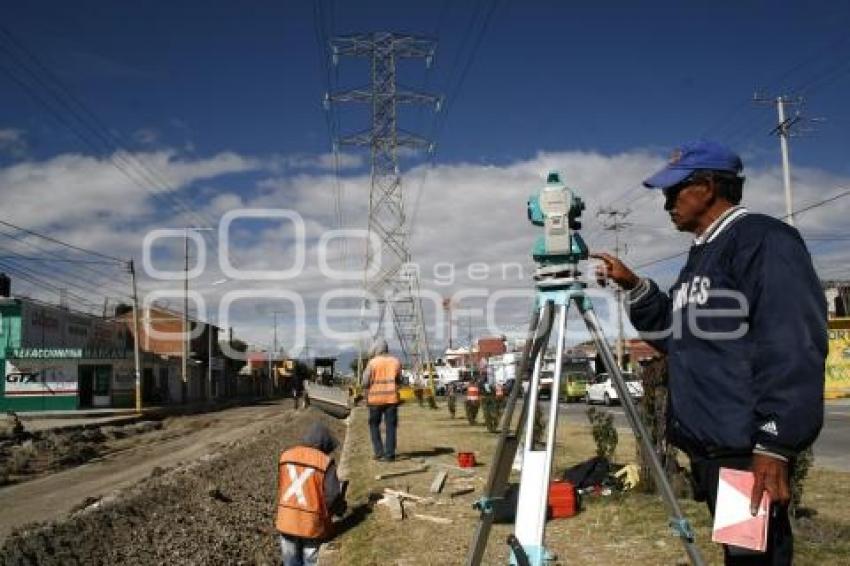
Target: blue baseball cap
[{"x": 694, "y": 156}]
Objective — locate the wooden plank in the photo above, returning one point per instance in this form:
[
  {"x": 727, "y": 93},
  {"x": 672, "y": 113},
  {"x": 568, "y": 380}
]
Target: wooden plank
[
  {"x": 439, "y": 481},
  {"x": 433, "y": 519},
  {"x": 467, "y": 471},
  {"x": 406, "y": 495},
  {"x": 461, "y": 491},
  {"x": 399, "y": 473}
]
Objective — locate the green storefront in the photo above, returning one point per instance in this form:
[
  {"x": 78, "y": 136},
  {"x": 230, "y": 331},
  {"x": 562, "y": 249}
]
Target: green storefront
[{"x": 42, "y": 374}]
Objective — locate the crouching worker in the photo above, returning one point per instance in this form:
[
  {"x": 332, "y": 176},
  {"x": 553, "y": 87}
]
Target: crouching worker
[{"x": 309, "y": 492}]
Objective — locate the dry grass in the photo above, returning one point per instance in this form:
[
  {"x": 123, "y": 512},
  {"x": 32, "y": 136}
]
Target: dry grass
[{"x": 628, "y": 529}]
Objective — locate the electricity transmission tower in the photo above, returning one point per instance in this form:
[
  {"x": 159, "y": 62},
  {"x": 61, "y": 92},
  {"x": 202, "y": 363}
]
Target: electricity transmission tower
[
  {"x": 396, "y": 280},
  {"x": 613, "y": 219}
]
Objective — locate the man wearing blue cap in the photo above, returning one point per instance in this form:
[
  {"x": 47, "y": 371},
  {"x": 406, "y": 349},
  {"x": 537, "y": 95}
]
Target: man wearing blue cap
[{"x": 744, "y": 329}]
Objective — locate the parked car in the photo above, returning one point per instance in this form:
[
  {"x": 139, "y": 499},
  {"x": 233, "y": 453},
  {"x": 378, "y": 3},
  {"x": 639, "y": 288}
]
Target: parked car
[
  {"x": 573, "y": 386},
  {"x": 602, "y": 390}
]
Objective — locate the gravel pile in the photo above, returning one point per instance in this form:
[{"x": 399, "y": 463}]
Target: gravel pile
[{"x": 215, "y": 511}]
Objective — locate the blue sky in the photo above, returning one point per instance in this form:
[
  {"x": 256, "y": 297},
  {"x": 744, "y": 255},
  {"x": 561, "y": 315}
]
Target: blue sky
[
  {"x": 606, "y": 76},
  {"x": 223, "y": 100}
]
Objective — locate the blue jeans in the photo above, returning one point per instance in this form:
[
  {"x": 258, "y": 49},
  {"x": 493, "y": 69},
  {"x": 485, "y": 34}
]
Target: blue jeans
[
  {"x": 298, "y": 551},
  {"x": 389, "y": 413}
]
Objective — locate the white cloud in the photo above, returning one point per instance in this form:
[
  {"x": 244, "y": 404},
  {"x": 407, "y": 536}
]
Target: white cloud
[
  {"x": 13, "y": 142},
  {"x": 467, "y": 214},
  {"x": 146, "y": 136}
]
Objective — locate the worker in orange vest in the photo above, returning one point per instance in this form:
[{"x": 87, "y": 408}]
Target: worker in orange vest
[
  {"x": 473, "y": 392},
  {"x": 381, "y": 379},
  {"x": 308, "y": 493}
]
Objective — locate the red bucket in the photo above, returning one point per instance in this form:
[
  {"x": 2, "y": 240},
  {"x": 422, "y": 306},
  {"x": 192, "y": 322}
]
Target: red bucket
[{"x": 466, "y": 459}]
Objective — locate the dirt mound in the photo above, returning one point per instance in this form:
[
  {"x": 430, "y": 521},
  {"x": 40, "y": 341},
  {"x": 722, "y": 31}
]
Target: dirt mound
[{"x": 215, "y": 511}]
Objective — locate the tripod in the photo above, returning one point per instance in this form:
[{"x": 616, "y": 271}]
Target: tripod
[{"x": 556, "y": 291}]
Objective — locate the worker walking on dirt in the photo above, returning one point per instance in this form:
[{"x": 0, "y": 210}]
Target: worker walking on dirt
[
  {"x": 381, "y": 379},
  {"x": 309, "y": 492}
]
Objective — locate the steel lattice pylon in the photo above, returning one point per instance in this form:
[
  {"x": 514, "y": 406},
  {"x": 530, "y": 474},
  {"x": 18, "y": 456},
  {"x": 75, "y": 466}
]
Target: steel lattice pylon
[{"x": 396, "y": 281}]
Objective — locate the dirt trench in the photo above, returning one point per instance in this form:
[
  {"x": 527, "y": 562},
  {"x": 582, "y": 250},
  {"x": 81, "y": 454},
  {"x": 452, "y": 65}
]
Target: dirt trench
[{"x": 217, "y": 510}]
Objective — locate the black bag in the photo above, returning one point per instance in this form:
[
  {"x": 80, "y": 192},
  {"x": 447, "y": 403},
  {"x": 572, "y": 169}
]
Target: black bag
[
  {"x": 589, "y": 473},
  {"x": 504, "y": 509}
]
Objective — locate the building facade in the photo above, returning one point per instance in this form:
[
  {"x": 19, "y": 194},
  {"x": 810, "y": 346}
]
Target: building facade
[{"x": 57, "y": 359}]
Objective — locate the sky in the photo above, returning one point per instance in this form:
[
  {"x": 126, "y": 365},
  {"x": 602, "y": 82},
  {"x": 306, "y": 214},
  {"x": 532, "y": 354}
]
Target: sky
[{"x": 118, "y": 118}]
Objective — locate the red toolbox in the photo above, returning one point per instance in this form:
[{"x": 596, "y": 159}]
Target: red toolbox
[{"x": 563, "y": 500}]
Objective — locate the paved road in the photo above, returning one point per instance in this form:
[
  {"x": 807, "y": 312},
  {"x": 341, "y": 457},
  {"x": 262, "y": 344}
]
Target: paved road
[{"x": 832, "y": 449}]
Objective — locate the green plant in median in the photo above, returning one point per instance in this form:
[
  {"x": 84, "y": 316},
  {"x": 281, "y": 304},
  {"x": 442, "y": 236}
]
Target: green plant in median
[
  {"x": 472, "y": 411},
  {"x": 419, "y": 393},
  {"x": 604, "y": 433},
  {"x": 493, "y": 407},
  {"x": 798, "y": 473},
  {"x": 451, "y": 402}
]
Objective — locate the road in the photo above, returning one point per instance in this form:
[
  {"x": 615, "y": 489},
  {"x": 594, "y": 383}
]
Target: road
[
  {"x": 188, "y": 438},
  {"x": 832, "y": 449}
]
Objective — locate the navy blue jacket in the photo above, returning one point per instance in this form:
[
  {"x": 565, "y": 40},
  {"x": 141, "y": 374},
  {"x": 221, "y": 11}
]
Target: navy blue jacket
[{"x": 744, "y": 328}]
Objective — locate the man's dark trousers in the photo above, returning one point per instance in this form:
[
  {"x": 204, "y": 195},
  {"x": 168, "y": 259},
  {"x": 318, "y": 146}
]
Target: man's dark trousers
[
  {"x": 390, "y": 415},
  {"x": 780, "y": 541}
]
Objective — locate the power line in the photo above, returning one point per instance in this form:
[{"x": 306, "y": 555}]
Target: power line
[
  {"x": 799, "y": 211},
  {"x": 104, "y": 140},
  {"x": 61, "y": 243}
]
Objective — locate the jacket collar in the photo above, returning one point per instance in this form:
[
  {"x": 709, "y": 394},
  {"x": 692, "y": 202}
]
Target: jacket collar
[{"x": 721, "y": 223}]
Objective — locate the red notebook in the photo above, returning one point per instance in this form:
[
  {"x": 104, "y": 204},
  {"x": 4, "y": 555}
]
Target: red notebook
[{"x": 733, "y": 522}]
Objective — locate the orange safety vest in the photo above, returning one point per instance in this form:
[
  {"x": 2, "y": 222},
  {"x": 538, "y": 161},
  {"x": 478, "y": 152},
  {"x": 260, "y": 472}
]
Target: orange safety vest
[
  {"x": 383, "y": 389},
  {"x": 472, "y": 393},
  {"x": 301, "y": 509}
]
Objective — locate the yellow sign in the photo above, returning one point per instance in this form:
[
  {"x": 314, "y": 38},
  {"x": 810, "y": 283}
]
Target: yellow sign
[{"x": 838, "y": 364}]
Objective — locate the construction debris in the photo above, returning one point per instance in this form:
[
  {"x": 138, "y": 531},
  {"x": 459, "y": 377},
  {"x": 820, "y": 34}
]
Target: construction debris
[
  {"x": 409, "y": 471},
  {"x": 395, "y": 506},
  {"x": 405, "y": 495},
  {"x": 439, "y": 481}
]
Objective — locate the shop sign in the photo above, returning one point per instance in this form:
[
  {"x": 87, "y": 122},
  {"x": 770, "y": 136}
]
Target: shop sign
[
  {"x": 40, "y": 378},
  {"x": 838, "y": 362},
  {"x": 44, "y": 353}
]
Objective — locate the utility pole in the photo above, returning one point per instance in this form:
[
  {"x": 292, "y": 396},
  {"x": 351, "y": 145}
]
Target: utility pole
[
  {"x": 184, "y": 384},
  {"x": 395, "y": 283},
  {"x": 783, "y": 130},
  {"x": 209, "y": 360},
  {"x": 274, "y": 346},
  {"x": 613, "y": 220},
  {"x": 447, "y": 306},
  {"x": 138, "y": 370}
]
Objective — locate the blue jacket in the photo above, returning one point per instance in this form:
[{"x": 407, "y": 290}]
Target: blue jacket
[{"x": 744, "y": 328}]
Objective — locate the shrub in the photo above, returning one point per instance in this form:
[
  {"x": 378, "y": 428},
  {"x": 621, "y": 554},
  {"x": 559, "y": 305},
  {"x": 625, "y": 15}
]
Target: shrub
[
  {"x": 472, "y": 411},
  {"x": 798, "y": 473},
  {"x": 451, "y": 403},
  {"x": 604, "y": 433},
  {"x": 493, "y": 409}
]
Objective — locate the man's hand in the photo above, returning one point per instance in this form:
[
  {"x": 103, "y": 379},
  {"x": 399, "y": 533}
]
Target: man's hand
[
  {"x": 613, "y": 268},
  {"x": 771, "y": 475}
]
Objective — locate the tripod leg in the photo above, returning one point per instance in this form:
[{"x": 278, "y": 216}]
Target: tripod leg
[
  {"x": 530, "y": 524},
  {"x": 677, "y": 518},
  {"x": 538, "y": 335}
]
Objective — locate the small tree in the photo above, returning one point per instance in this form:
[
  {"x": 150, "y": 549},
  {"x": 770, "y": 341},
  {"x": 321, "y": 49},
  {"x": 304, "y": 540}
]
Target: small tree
[
  {"x": 798, "y": 473},
  {"x": 604, "y": 434},
  {"x": 451, "y": 401},
  {"x": 493, "y": 408},
  {"x": 472, "y": 411}
]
